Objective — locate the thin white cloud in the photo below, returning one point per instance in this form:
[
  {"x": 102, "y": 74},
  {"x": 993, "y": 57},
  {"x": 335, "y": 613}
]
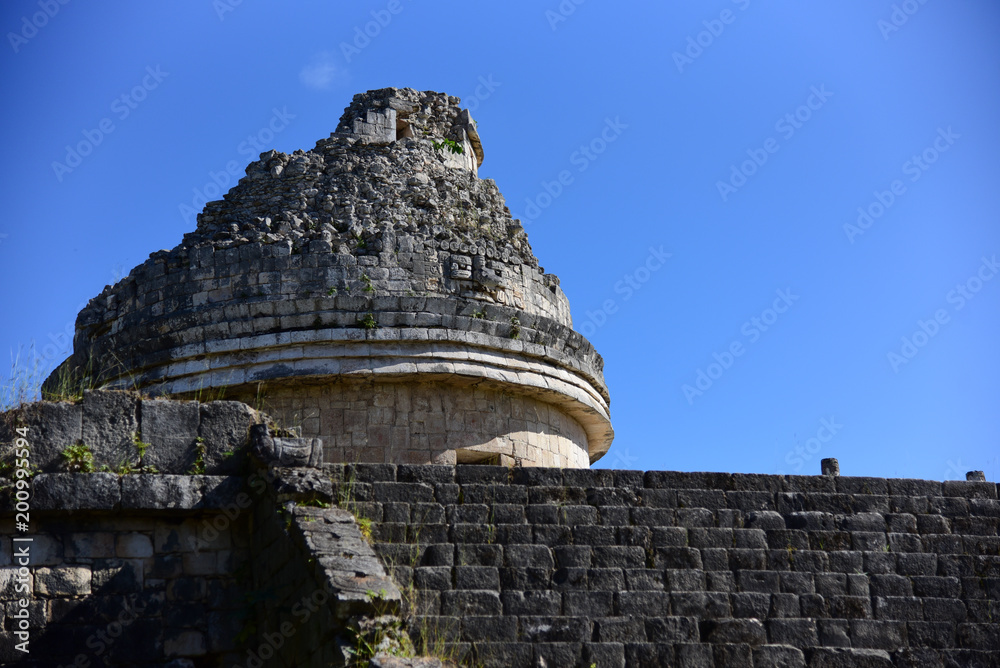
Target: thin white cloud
[{"x": 321, "y": 72}]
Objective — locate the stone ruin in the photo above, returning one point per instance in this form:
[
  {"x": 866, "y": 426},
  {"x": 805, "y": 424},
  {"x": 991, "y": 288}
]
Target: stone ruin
[
  {"x": 377, "y": 292},
  {"x": 420, "y": 494}
]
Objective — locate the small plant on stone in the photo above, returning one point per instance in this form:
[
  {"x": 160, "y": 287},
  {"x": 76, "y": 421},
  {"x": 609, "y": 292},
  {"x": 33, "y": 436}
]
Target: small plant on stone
[
  {"x": 478, "y": 315},
  {"x": 141, "y": 446},
  {"x": 381, "y": 634},
  {"x": 515, "y": 328},
  {"x": 198, "y": 468},
  {"x": 450, "y": 144},
  {"x": 361, "y": 241},
  {"x": 313, "y": 503},
  {"x": 365, "y": 526},
  {"x": 79, "y": 458},
  {"x": 332, "y": 292},
  {"x": 368, "y": 283},
  {"x": 368, "y": 321},
  {"x": 124, "y": 468}
]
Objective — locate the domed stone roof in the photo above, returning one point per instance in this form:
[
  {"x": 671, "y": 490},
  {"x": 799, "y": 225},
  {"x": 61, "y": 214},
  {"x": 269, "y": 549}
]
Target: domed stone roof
[{"x": 374, "y": 292}]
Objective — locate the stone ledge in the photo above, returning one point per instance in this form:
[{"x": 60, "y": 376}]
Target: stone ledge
[
  {"x": 110, "y": 423},
  {"x": 786, "y": 491},
  {"x": 76, "y": 491},
  {"x": 179, "y": 492},
  {"x": 109, "y": 491}
]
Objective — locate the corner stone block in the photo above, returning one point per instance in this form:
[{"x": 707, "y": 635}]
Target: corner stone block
[
  {"x": 60, "y": 582},
  {"x": 170, "y": 428},
  {"x": 110, "y": 423},
  {"x": 225, "y": 428},
  {"x": 52, "y": 427}
]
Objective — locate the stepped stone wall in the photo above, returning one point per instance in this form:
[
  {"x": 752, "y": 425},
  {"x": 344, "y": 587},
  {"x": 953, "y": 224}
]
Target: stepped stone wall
[
  {"x": 529, "y": 567},
  {"x": 291, "y": 561}
]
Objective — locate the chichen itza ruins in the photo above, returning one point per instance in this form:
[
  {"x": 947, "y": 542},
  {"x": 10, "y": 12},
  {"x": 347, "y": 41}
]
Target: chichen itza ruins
[{"x": 347, "y": 421}]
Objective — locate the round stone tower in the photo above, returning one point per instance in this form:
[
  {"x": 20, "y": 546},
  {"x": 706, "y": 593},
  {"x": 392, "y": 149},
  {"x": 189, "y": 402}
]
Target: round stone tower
[{"x": 373, "y": 292}]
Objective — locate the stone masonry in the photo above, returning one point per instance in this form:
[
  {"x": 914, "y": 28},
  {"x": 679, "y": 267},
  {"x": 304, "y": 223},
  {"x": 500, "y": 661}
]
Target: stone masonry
[
  {"x": 378, "y": 264},
  {"x": 253, "y": 567},
  {"x": 287, "y": 560},
  {"x": 411, "y": 487}
]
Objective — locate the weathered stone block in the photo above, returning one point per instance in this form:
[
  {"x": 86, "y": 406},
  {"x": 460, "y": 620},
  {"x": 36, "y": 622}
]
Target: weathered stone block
[
  {"x": 52, "y": 427},
  {"x": 14, "y": 584},
  {"x": 694, "y": 655},
  {"x": 62, "y": 581},
  {"x": 837, "y": 657},
  {"x": 117, "y": 576},
  {"x": 109, "y": 426},
  {"x": 133, "y": 546},
  {"x": 224, "y": 427},
  {"x": 91, "y": 545},
  {"x": 733, "y": 655},
  {"x": 707, "y": 605},
  {"x": 751, "y": 605},
  {"x": 543, "y": 602},
  {"x": 939, "y": 635},
  {"x": 642, "y": 603},
  {"x": 171, "y": 429},
  {"x": 76, "y": 491},
  {"x": 462, "y": 603},
  {"x": 877, "y": 634}
]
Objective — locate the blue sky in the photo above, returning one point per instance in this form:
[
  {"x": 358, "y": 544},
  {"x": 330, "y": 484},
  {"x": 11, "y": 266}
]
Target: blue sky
[{"x": 823, "y": 177}]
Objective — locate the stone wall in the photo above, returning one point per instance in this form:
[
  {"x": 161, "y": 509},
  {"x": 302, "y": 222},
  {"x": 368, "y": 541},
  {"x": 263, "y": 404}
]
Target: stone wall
[
  {"x": 530, "y": 567},
  {"x": 429, "y": 423},
  {"x": 293, "y": 562},
  {"x": 151, "y": 569},
  {"x": 119, "y": 577}
]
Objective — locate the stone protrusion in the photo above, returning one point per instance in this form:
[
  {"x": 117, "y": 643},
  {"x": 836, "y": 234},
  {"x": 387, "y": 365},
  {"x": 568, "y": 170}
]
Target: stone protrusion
[
  {"x": 976, "y": 476},
  {"x": 830, "y": 466}
]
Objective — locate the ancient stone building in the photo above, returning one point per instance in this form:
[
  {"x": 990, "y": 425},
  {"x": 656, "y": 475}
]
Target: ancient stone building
[
  {"x": 375, "y": 295},
  {"x": 376, "y": 292}
]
